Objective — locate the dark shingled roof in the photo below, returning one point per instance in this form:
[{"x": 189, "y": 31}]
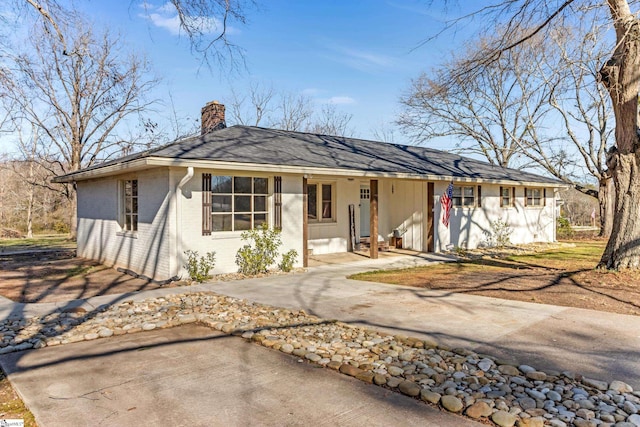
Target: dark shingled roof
[{"x": 248, "y": 144}]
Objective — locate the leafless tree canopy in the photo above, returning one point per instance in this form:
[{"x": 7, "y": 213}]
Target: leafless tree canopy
[
  {"x": 263, "y": 105},
  {"x": 490, "y": 113},
  {"x": 77, "y": 98},
  {"x": 331, "y": 121},
  {"x": 516, "y": 22},
  {"x": 205, "y": 23}
]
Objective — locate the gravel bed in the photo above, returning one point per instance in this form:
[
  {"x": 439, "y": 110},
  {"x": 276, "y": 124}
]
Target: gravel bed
[{"x": 457, "y": 380}]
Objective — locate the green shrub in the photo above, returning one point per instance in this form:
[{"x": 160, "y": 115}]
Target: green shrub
[
  {"x": 288, "y": 259},
  {"x": 199, "y": 267},
  {"x": 61, "y": 227},
  {"x": 500, "y": 234},
  {"x": 564, "y": 228},
  {"x": 261, "y": 251},
  {"x": 460, "y": 251}
]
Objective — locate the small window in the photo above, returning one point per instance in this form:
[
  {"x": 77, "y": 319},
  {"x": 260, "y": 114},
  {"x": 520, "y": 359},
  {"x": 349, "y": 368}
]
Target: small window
[
  {"x": 507, "y": 197},
  {"x": 312, "y": 204},
  {"x": 365, "y": 193},
  {"x": 237, "y": 202},
  {"x": 327, "y": 201},
  {"x": 129, "y": 213},
  {"x": 277, "y": 202},
  {"x": 534, "y": 196},
  {"x": 464, "y": 196},
  {"x": 320, "y": 202}
]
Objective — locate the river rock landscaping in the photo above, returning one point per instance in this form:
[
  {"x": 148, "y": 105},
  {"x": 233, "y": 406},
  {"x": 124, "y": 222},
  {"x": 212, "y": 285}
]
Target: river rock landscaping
[{"x": 457, "y": 380}]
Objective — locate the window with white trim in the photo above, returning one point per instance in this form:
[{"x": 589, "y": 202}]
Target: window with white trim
[
  {"x": 237, "y": 203},
  {"x": 129, "y": 205},
  {"x": 464, "y": 196},
  {"x": 535, "y": 197},
  {"x": 507, "y": 197},
  {"x": 321, "y": 201}
]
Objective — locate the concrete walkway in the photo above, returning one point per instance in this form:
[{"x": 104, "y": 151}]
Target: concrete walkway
[
  {"x": 193, "y": 376},
  {"x": 592, "y": 343},
  {"x": 596, "y": 344}
]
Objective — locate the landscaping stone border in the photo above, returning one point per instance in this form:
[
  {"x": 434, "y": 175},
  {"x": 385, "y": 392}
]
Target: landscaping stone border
[{"x": 477, "y": 386}]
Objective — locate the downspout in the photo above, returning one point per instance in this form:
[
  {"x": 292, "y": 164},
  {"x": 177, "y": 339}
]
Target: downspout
[{"x": 181, "y": 184}]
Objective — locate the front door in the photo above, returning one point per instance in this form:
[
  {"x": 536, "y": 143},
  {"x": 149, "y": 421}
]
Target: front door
[{"x": 365, "y": 195}]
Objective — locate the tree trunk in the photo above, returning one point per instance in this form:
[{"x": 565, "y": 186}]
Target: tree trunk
[
  {"x": 30, "y": 203},
  {"x": 623, "y": 247},
  {"x": 73, "y": 204},
  {"x": 605, "y": 203},
  {"x": 30, "y": 214},
  {"x": 621, "y": 76}
]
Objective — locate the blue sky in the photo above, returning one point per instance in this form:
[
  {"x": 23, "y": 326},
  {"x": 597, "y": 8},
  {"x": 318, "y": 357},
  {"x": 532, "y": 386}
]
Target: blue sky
[{"x": 358, "y": 55}]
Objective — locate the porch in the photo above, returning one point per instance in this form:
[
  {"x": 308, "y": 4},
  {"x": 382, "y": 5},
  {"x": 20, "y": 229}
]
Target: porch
[
  {"x": 343, "y": 215},
  {"x": 359, "y": 256}
]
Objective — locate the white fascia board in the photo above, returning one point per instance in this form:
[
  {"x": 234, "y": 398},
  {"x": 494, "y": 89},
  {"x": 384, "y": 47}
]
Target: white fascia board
[
  {"x": 149, "y": 162},
  {"x": 99, "y": 172}
]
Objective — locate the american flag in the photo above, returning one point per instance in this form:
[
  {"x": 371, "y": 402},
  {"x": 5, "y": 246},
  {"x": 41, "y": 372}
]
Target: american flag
[{"x": 446, "y": 202}]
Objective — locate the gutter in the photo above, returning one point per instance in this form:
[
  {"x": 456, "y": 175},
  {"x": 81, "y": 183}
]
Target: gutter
[
  {"x": 151, "y": 161},
  {"x": 178, "y": 235}
]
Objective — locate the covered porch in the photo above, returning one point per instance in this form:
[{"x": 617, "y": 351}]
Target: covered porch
[
  {"x": 347, "y": 216},
  {"x": 359, "y": 256}
]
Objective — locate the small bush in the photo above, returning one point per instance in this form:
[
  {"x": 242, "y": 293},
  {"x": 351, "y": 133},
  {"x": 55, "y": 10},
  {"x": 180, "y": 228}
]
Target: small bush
[
  {"x": 564, "y": 228},
  {"x": 199, "y": 267},
  {"x": 61, "y": 227},
  {"x": 8, "y": 233},
  {"x": 288, "y": 259},
  {"x": 460, "y": 251},
  {"x": 500, "y": 235},
  {"x": 261, "y": 251}
]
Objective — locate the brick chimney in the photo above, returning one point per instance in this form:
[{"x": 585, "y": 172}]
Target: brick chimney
[{"x": 212, "y": 117}]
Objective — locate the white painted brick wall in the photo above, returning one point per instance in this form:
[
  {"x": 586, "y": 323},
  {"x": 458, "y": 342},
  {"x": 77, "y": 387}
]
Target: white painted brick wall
[
  {"x": 468, "y": 225},
  {"x": 157, "y": 248},
  {"x": 99, "y": 233},
  {"x": 226, "y": 244}
]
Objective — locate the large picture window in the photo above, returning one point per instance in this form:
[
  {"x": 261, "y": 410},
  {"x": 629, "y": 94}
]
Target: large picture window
[
  {"x": 236, "y": 203},
  {"x": 321, "y": 202},
  {"x": 129, "y": 203}
]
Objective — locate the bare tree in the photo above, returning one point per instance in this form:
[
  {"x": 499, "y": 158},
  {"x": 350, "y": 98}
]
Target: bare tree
[
  {"x": 265, "y": 106},
  {"x": 384, "y": 132},
  {"x": 77, "y": 100},
  {"x": 253, "y": 108},
  {"x": 205, "y": 23},
  {"x": 27, "y": 203},
  {"x": 620, "y": 76},
  {"x": 584, "y": 111},
  {"x": 294, "y": 111},
  {"x": 489, "y": 113},
  {"x": 330, "y": 121},
  {"x": 578, "y": 207},
  {"x": 29, "y": 150}
]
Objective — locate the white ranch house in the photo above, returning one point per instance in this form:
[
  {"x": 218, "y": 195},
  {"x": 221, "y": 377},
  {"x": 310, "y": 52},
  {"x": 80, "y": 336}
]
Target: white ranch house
[{"x": 141, "y": 212}]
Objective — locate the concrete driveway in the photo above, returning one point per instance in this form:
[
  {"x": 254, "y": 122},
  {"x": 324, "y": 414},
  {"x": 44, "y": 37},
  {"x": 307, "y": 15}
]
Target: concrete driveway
[
  {"x": 193, "y": 376},
  {"x": 593, "y": 343}
]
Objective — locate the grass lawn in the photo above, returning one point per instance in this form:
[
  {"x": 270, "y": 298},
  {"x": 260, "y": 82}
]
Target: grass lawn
[
  {"x": 39, "y": 242},
  {"x": 11, "y": 406},
  {"x": 562, "y": 275}
]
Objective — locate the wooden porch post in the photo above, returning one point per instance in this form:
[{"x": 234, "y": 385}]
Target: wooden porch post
[
  {"x": 305, "y": 224},
  {"x": 373, "y": 220},
  {"x": 430, "y": 209}
]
